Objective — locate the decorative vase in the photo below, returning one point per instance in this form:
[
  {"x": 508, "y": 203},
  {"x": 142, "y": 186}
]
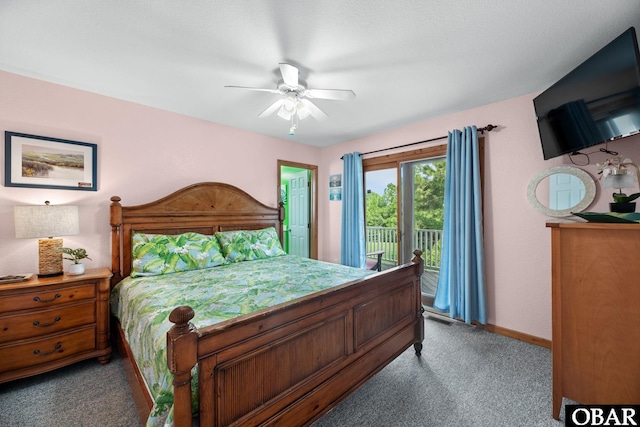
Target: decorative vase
[
  {"x": 75, "y": 269},
  {"x": 625, "y": 207}
]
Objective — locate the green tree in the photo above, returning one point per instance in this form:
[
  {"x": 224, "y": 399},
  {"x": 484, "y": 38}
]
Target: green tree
[
  {"x": 373, "y": 209},
  {"x": 382, "y": 210},
  {"x": 429, "y": 195}
]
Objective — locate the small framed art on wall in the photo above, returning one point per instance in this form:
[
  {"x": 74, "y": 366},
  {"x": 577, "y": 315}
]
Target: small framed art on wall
[{"x": 42, "y": 162}]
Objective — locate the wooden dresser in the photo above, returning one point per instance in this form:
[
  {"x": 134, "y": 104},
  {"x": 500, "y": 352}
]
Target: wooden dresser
[
  {"x": 46, "y": 323},
  {"x": 596, "y": 313}
]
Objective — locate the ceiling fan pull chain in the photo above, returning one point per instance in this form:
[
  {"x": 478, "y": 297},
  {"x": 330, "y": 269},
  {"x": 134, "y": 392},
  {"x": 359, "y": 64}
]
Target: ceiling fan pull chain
[{"x": 294, "y": 124}]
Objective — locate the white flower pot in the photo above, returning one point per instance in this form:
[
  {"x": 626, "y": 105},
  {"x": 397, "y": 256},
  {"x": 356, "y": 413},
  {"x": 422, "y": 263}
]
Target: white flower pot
[{"x": 75, "y": 269}]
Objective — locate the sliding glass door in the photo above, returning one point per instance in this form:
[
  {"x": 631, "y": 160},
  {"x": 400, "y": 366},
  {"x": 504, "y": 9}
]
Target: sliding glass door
[
  {"x": 421, "y": 217},
  {"x": 404, "y": 209}
]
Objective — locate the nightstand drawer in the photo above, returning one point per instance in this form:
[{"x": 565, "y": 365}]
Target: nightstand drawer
[
  {"x": 36, "y": 352},
  {"x": 33, "y": 324},
  {"x": 44, "y": 298}
]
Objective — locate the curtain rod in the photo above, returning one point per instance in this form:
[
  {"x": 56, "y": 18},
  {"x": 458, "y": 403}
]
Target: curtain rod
[{"x": 487, "y": 128}]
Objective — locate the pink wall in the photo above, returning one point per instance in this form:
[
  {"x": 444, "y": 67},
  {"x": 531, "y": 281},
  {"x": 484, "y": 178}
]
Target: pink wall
[
  {"x": 145, "y": 153},
  {"x": 517, "y": 243}
]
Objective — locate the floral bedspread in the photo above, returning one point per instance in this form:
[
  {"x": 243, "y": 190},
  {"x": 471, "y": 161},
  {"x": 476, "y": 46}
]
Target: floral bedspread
[{"x": 143, "y": 304}]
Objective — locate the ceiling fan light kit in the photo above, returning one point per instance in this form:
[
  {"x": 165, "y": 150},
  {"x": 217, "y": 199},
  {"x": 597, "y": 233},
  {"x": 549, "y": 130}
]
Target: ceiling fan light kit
[
  {"x": 288, "y": 108},
  {"x": 294, "y": 104}
]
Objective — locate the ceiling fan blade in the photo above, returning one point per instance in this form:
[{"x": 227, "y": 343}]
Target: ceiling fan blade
[
  {"x": 272, "y": 108},
  {"x": 289, "y": 75},
  {"x": 255, "y": 88},
  {"x": 315, "y": 112},
  {"x": 337, "y": 94}
]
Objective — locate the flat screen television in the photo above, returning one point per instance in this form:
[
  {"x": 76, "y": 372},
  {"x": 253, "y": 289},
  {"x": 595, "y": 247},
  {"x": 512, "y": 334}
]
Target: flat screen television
[{"x": 598, "y": 101}]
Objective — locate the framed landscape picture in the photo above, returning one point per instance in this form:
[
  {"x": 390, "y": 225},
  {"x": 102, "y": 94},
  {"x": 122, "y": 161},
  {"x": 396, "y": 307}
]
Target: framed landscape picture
[
  {"x": 335, "y": 180},
  {"x": 42, "y": 162}
]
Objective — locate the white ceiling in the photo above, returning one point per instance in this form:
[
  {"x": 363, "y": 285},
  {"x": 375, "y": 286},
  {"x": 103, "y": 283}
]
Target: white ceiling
[{"x": 406, "y": 60}]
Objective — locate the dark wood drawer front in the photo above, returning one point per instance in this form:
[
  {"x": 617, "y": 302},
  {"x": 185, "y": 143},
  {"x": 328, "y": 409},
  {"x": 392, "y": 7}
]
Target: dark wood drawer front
[
  {"x": 18, "y": 356},
  {"x": 46, "y": 298},
  {"x": 37, "y": 323}
]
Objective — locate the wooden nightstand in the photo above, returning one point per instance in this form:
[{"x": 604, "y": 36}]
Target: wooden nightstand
[{"x": 46, "y": 323}]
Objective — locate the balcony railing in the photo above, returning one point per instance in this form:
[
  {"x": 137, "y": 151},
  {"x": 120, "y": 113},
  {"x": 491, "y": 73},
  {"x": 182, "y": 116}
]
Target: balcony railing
[{"x": 386, "y": 239}]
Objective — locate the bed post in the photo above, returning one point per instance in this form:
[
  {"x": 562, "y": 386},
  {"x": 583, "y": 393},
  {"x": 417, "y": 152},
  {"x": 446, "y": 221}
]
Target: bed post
[
  {"x": 417, "y": 259},
  {"x": 182, "y": 355},
  {"x": 116, "y": 221}
]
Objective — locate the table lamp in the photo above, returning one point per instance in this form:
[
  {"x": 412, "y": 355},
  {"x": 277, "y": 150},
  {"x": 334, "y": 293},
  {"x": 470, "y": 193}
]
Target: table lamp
[{"x": 45, "y": 222}]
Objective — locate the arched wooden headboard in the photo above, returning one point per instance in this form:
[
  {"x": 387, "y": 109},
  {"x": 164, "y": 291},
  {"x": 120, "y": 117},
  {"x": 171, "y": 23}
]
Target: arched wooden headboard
[{"x": 204, "y": 208}]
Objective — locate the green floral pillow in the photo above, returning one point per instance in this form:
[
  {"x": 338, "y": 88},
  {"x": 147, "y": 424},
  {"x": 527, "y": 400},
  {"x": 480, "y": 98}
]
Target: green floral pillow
[
  {"x": 236, "y": 245},
  {"x": 266, "y": 243},
  {"x": 244, "y": 245},
  {"x": 154, "y": 254}
]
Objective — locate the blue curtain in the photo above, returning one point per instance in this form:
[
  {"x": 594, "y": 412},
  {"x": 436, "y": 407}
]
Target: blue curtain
[
  {"x": 461, "y": 285},
  {"x": 352, "y": 248}
]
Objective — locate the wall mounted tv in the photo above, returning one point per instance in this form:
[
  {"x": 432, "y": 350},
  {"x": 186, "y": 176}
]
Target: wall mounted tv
[{"x": 598, "y": 101}]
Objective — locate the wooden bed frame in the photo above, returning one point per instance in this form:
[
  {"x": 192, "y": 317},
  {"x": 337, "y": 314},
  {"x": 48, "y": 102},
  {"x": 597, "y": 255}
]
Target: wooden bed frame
[{"x": 286, "y": 365}]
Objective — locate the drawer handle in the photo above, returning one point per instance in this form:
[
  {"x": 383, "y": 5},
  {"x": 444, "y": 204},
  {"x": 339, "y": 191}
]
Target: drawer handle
[
  {"x": 37, "y": 299},
  {"x": 44, "y": 325},
  {"x": 56, "y": 348}
]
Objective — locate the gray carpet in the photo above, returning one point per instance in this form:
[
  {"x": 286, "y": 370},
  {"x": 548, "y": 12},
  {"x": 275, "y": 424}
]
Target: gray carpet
[
  {"x": 465, "y": 377},
  {"x": 85, "y": 394}
]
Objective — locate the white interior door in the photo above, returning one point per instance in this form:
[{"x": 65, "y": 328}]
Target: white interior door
[
  {"x": 565, "y": 191},
  {"x": 299, "y": 214}
]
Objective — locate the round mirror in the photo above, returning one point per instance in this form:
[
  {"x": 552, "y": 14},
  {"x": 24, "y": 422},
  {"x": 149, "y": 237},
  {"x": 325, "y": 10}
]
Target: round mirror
[{"x": 560, "y": 190}]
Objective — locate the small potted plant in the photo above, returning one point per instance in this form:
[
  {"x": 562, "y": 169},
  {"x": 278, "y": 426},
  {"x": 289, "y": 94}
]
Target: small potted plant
[
  {"x": 75, "y": 255},
  {"x": 616, "y": 175},
  {"x": 623, "y": 203}
]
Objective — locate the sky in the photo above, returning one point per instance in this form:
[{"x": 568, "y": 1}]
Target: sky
[{"x": 377, "y": 181}]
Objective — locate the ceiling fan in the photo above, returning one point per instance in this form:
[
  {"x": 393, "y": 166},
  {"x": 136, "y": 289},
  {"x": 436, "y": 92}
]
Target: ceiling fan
[{"x": 295, "y": 103}]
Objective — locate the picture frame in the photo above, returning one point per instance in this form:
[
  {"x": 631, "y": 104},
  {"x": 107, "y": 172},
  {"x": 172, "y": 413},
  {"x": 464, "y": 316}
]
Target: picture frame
[
  {"x": 35, "y": 161},
  {"x": 335, "y": 194}
]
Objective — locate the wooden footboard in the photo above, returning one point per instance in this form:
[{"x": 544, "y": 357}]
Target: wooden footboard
[{"x": 290, "y": 364}]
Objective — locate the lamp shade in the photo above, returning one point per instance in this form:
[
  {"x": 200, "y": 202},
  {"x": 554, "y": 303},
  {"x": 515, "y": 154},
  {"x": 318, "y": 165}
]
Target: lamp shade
[
  {"x": 45, "y": 221},
  {"x": 619, "y": 181},
  {"x": 302, "y": 110},
  {"x": 288, "y": 108}
]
